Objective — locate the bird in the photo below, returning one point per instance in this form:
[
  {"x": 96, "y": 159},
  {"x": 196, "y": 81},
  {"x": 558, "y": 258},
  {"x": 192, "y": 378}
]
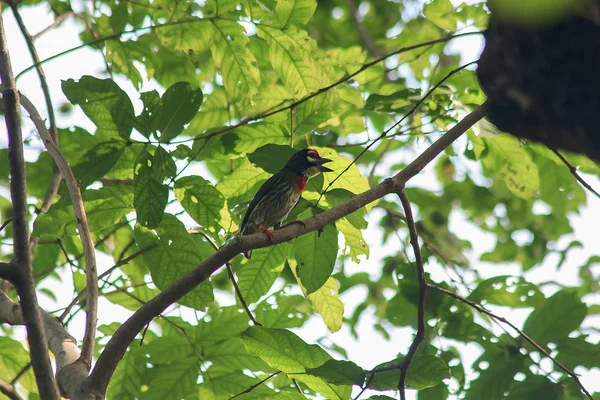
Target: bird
[{"x": 278, "y": 196}]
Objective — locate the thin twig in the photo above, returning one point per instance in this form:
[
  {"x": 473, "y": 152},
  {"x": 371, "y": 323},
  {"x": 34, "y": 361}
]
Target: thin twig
[
  {"x": 574, "y": 172},
  {"x": 9, "y": 391},
  {"x": 236, "y": 288},
  {"x": 539, "y": 348},
  {"x": 414, "y": 241},
  {"x": 5, "y": 223},
  {"x": 251, "y": 388},
  {"x": 59, "y": 20},
  {"x": 87, "y": 242},
  {"x": 20, "y": 373},
  {"x": 25, "y": 283}
]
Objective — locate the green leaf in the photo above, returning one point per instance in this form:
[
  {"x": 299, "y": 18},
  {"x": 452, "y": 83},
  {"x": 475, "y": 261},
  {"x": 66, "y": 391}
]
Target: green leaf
[
  {"x": 213, "y": 113},
  {"x": 558, "y": 316},
  {"x": 506, "y": 158},
  {"x": 200, "y": 199},
  {"x": 271, "y": 157},
  {"x": 355, "y": 243},
  {"x": 340, "y": 372},
  {"x": 104, "y": 102},
  {"x": 236, "y": 63},
  {"x": 351, "y": 180},
  {"x": 97, "y": 161},
  {"x": 163, "y": 165},
  {"x": 231, "y": 355},
  {"x": 507, "y": 291},
  {"x": 315, "y": 254},
  {"x": 573, "y": 352},
  {"x": 236, "y": 187},
  {"x": 150, "y": 196},
  {"x": 258, "y": 274},
  {"x": 13, "y": 357},
  {"x": 225, "y": 386},
  {"x": 224, "y": 323},
  {"x": 497, "y": 367},
  {"x": 425, "y": 371},
  {"x": 326, "y": 302},
  {"x": 283, "y": 350},
  {"x": 179, "y": 105},
  {"x": 441, "y": 13},
  {"x": 128, "y": 378},
  {"x": 192, "y": 36},
  {"x": 251, "y": 137},
  {"x": 175, "y": 380},
  {"x": 145, "y": 123},
  {"x": 171, "y": 254},
  {"x": 286, "y": 314},
  {"x": 294, "y": 12},
  {"x": 290, "y": 53}
]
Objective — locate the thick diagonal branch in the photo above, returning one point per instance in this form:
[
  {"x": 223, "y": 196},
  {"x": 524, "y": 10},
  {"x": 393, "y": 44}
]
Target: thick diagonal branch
[
  {"x": 25, "y": 283},
  {"x": 117, "y": 345},
  {"x": 83, "y": 228}
]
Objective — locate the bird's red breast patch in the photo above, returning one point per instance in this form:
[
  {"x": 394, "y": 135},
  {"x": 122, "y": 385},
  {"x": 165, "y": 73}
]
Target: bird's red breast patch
[{"x": 301, "y": 182}]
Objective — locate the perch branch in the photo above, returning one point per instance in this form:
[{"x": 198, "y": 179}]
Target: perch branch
[
  {"x": 83, "y": 228},
  {"x": 115, "y": 348},
  {"x": 25, "y": 283},
  {"x": 539, "y": 348}
]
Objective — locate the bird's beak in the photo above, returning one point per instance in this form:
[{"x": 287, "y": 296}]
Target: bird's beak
[{"x": 320, "y": 163}]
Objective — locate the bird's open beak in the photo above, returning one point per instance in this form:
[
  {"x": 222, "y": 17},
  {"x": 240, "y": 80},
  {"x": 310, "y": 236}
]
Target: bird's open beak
[{"x": 322, "y": 161}]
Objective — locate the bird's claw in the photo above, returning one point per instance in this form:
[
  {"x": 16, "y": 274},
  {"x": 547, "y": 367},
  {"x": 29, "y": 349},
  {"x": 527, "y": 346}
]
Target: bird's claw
[{"x": 267, "y": 231}]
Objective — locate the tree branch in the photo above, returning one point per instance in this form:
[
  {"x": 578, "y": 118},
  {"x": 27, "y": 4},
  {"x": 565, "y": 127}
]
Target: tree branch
[
  {"x": 115, "y": 348},
  {"x": 83, "y": 228},
  {"x": 9, "y": 391},
  {"x": 25, "y": 284},
  {"x": 414, "y": 241},
  {"x": 56, "y": 178},
  {"x": 539, "y": 348}
]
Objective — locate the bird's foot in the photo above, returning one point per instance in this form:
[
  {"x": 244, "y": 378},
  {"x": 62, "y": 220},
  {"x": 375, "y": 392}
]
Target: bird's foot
[
  {"x": 291, "y": 223},
  {"x": 267, "y": 231}
]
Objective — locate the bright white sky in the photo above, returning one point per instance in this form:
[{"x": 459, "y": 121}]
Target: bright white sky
[{"x": 371, "y": 349}]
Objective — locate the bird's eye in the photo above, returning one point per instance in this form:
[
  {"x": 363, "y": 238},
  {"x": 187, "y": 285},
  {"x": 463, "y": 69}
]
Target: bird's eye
[{"x": 312, "y": 155}]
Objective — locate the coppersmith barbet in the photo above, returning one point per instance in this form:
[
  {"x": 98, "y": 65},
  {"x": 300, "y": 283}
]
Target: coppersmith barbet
[{"x": 278, "y": 196}]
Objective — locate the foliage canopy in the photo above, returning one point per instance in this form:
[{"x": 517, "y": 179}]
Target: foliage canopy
[{"x": 239, "y": 85}]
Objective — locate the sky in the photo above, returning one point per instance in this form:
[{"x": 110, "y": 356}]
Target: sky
[{"x": 371, "y": 349}]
